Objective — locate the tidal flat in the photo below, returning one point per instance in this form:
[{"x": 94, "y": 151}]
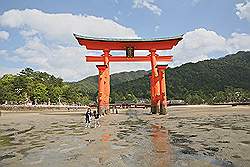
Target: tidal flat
[{"x": 186, "y": 136}]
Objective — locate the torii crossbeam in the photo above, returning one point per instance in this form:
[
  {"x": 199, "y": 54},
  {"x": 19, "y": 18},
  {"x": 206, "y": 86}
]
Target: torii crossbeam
[{"x": 157, "y": 78}]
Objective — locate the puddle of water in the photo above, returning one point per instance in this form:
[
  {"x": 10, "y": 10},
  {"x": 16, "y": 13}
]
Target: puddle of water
[
  {"x": 116, "y": 146},
  {"x": 184, "y": 160},
  {"x": 7, "y": 141},
  {"x": 161, "y": 146},
  {"x": 222, "y": 163}
]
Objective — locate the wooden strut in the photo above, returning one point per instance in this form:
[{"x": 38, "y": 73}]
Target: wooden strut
[{"x": 125, "y": 59}]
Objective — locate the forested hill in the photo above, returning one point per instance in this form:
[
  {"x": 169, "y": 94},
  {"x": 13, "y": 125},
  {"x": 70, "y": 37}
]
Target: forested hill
[
  {"x": 210, "y": 81},
  {"x": 204, "y": 80},
  {"x": 90, "y": 84}
]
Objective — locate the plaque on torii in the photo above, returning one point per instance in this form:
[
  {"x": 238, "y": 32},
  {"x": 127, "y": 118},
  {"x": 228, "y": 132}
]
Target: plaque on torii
[{"x": 157, "y": 78}]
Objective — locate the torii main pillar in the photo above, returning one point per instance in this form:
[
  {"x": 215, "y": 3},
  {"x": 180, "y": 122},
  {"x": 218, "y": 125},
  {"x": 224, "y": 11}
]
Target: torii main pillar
[
  {"x": 102, "y": 94},
  {"x": 104, "y": 84},
  {"x": 155, "y": 85}
]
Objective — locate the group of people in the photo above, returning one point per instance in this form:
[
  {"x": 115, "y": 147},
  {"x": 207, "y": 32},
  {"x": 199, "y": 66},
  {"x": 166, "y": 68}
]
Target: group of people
[{"x": 92, "y": 119}]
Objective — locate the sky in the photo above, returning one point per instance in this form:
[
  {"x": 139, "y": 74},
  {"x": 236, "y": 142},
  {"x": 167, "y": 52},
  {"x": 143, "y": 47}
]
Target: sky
[{"x": 38, "y": 33}]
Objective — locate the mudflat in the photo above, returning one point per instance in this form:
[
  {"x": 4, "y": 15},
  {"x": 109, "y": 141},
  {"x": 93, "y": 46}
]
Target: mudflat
[{"x": 187, "y": 136}]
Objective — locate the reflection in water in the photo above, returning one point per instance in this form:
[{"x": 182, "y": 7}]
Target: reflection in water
[
  {"x": 104, "y": 147},
  {"x": 161, "y": 146},
  {"x": 106, "y": 137}
]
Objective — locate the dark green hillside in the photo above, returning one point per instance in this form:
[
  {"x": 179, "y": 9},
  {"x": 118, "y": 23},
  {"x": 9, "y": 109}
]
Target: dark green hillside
[
  {"x": 210, "y": 75},
  {"x": 205, "y": 78},
  {"x": 211, "y": 81},
  {"x": 89, "y": 85}
]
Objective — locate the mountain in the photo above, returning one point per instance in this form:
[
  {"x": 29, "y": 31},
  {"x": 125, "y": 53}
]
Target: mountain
[
  {"x": 205, "y": 77},
  {"x": 89, "y": 85},
  {"x": 220, "y": 80}
]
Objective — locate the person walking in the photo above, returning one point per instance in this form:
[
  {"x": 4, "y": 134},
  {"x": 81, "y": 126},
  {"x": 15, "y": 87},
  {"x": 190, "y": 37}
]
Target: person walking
[
  {"x": 97, "y": 117},
  {"x": 87, "y": 118}
]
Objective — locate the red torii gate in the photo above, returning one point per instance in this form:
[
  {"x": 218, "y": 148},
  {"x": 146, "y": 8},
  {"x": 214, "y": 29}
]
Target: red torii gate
[{"x": 157, "y": 78}]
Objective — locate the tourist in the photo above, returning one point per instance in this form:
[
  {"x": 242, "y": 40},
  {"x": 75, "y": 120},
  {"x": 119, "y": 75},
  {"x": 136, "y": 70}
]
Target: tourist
[
  {"x": 87, "y": 118},
  {"x": 97, "y": 117}
]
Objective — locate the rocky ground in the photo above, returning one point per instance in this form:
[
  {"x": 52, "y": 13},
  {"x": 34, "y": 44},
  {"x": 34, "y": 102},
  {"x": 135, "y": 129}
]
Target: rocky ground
[{"x": 187, "y": 136}]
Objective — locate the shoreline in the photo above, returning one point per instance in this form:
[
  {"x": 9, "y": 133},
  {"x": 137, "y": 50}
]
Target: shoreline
[{"x": 75, "y": 109}]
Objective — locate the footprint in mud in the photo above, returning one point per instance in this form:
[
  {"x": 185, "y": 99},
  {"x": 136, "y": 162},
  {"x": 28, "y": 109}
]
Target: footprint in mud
[
  {"x": 189, "y": 150},
  {"x": 223, "y": 141},
  {"x": 245, "y": 142},
  {"x": 236, "y": 156},
  {"x": 179, "y": 139},
  {"x": 7, "y": 156},
  {"x": 90, "y": 141},
  {"x": 10, "y": 130},
  {"x": 214, "y": 149}
]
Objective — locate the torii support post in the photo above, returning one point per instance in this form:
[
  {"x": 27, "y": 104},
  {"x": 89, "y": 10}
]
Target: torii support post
[
  {"x": 163, "y": 93},
  {"x": 151, "y": 89},
  {"x": 155, "y": 85},
  {"x": 102, "y": 94}
]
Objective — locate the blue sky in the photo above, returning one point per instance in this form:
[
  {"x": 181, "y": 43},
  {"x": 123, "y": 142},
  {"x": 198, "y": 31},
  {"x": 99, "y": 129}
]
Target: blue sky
[{"x": 38, "y": 34}]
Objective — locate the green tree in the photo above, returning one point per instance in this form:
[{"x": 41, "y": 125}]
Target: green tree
[
  {"x": 55, "y": 94},
  {"x": 40, "y": 93}
]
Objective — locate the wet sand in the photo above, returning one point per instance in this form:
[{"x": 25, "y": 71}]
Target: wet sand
[{"x": 187, "y": 136}]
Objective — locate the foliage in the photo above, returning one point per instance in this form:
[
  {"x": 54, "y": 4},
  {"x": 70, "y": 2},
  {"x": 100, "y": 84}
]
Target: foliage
[
  {"x": 38, "y": 88},
  {"x": 211, "y": 81}
]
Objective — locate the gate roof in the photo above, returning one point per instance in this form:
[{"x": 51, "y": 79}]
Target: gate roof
[{"x": 92, "y": 43}]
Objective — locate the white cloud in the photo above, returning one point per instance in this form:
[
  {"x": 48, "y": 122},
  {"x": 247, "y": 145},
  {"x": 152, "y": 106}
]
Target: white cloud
[
  {"x": 3, "y": 53},
  {"x": 243, "y": 10},
  {"x": 8, "y": 70},
  {"x": 194, "y": 2},
  {"x": 239, "y": 42},
  {"x": 4, "y": 35},
  {"x": 200, "y": 44},
  {"x": 156, "y": 28},
  {"x": 64, "y": 61},
  {"x": 49, "y": 45},
  {"x": 61, "y": 26},
  {"x": 196, "y": 45},
  {"x": 148, "y": 4},
  {"x": 49, "y": 42}
]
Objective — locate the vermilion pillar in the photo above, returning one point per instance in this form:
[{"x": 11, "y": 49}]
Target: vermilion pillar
[
  {"x": 106, "y": 56},
  {"x": 162, "y": 80},
  {"x": 102, "y": 103},
  {"x": 155, "y": 105}
]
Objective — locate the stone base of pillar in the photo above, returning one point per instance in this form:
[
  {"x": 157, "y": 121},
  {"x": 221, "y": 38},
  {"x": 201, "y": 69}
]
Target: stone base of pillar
[
  {"x": 102, "y": 110},
  {"x": 163, "y": 109},
  {"x": 155, "y": 109}
]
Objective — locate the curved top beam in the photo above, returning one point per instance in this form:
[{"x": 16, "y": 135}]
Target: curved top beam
[{"x": 92, "y": 43}]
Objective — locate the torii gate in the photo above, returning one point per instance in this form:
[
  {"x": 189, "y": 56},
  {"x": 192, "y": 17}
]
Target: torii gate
[{"x": 157, "y": 78}]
